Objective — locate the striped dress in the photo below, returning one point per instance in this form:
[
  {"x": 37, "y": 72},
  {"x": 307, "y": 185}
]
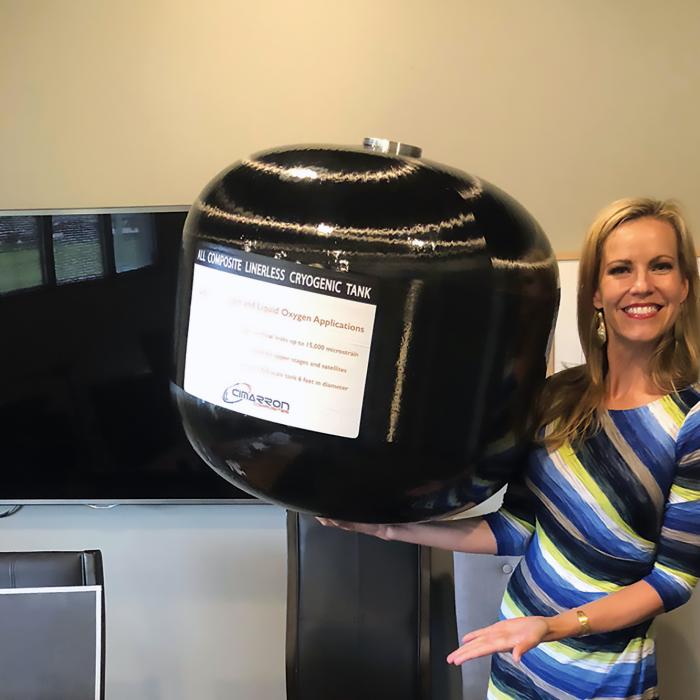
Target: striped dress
[{"x": 624, "y": 505}]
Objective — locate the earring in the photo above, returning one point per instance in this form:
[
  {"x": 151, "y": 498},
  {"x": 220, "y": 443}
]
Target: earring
[{"x": 601, "y": 331}]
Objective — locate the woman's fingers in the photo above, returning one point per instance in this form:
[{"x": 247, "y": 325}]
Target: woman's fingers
[
  {"x": 475, "y": 644},
  {"x": 476, "y": 649},
  {"x": 363, "y": 528},
  {"x": 328, "y": 522},
  {"x": 518, "y": 652},
  {"x": 474, "y": 634},
  {"x": 516, "y": 636}
]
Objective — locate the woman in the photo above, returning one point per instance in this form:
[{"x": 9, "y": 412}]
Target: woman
[{"x": 608, "y": 513}]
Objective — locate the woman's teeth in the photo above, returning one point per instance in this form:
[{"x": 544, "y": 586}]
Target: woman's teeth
[{"x": 641, "y": 311}]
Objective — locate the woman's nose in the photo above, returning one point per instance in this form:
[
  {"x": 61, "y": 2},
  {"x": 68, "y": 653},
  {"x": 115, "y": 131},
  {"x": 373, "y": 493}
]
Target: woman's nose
[{"x": 641, "y": 283}]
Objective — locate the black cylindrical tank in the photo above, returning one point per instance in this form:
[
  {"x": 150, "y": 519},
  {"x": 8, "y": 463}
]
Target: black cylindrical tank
[{"x": 361, "y": 333}]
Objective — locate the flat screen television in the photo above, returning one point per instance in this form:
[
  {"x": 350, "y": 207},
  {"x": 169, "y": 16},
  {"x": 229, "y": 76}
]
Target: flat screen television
[{"x": 87, "y": 308}]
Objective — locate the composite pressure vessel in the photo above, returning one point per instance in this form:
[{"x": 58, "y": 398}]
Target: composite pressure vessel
[{"x": 361, "y": 333}]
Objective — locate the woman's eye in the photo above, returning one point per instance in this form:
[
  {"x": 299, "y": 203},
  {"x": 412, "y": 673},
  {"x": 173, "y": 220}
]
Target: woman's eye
[
  {"x": 618, "y": 270},
  {"x": 662, "y": 266}
]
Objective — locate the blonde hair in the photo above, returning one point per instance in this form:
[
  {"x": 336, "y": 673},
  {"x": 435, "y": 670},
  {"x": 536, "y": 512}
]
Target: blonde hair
[{"x": 571, "y": 401}]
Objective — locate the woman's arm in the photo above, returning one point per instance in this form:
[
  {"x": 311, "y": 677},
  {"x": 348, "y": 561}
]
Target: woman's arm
[
  {"x": 467, "y": 535},
  {"x": 624, "y": 608}
]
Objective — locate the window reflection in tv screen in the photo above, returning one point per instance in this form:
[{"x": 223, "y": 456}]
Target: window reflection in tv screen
[{"x": 87, "y": 305}]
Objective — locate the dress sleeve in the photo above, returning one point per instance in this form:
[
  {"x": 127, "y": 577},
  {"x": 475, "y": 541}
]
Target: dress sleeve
[
  {"x": 677, "y": 565},
  {"x": 514, "y": 523}
]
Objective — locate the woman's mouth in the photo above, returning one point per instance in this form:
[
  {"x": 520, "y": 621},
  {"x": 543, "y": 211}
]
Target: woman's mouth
[{"x": 642, "y": 311}]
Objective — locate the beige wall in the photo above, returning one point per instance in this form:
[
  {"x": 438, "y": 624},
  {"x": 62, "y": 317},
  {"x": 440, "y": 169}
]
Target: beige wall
[{"x": 564, "y": 104}]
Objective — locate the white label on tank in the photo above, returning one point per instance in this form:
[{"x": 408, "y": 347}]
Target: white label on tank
[{"x": 280, "y": 341}]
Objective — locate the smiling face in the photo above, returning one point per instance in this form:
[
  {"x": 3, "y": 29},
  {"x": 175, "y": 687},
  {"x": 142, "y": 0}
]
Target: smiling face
[{"x": 640, "y": 287}]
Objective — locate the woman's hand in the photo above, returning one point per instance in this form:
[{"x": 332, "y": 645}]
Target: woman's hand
[
  {"x": 517, "y": 636},
  {"x": 374, "y": 529}
]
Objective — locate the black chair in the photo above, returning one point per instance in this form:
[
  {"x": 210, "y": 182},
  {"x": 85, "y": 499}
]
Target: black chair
[
  {"x": 52, "y": 644},
  {"x": 359, "y": 620}
]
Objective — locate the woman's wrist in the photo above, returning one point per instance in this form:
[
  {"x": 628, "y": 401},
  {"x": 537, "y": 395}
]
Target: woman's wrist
[{"x": 566, "y": 624}]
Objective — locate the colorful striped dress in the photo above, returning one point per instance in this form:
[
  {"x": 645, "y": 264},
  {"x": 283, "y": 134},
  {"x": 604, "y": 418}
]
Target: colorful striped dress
[{"x": 623, "y": 505}]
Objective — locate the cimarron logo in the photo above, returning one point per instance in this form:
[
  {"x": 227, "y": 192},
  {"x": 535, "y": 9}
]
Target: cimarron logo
[{"x": 244, "y": 392}]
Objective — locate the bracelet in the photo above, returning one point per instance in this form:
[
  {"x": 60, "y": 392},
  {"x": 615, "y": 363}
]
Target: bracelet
[{"x": 584, "y": 622}]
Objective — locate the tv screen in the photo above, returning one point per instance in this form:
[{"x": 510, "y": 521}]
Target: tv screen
[{"x": 87, "y": 307}]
